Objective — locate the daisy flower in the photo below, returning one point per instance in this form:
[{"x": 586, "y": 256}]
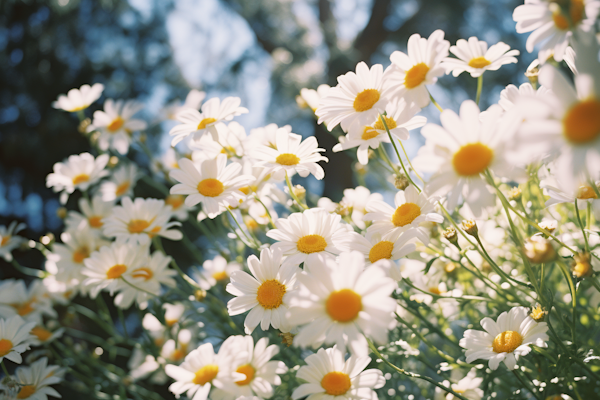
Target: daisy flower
[
  {"x": 140, "y": 220},
  {"x": 35, "y": 380},
  {"x": 92, "y": 215},
  {"x": 79, "y": 99},
  {"x": 116, "y": 124},
  {"x": 214, "y": 184},
  {"x": 462, "y": 149},
  {"x": 356, "y": 200},
  {"x": 121, "y": 183},
  {"x": 409, "y": 73},
  {"x": 342, "y": 303},
  {"x": 265, "y": 293},
  {"x": 506, "y": 339},
  {"x": 260, "y": 374},
  {"x": 357, "y": 99},
  {"x": 30, "y": 302},
  {"x": 264, "y": 136},
  {"x": 229, "y": 141},
  {"x": 8, "y": 240},
  {"x": 511, "y": 95},
  {"x": 312, "y": 97},
  {"x": 391, "y": 246},
  {"x": 469, "y": 386},
  {"x": 42, "y": 335},
  {"x": 216, "y": 270},
  {"x": 290, "y": 155},
  {"x": 178, "y": 207},
  {"x": 475, "y": 57},
  {"x": 78, "y": 172},
  {"x": 14, "y": 338},
  {"x": 553, "y": 27},
  {"x": 203, "y": 369},
  {"x": 329, "y": 376},
  {"x": 310, "y": 235},
  {"x": 412, "y": 211},
  {"x": 213, "y": 113},
  {"x": 193, "y": 100}
]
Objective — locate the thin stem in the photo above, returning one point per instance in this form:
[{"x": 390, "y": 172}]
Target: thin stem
[
  {"x": 267, "y": 211},
  {"x": 589, "y": 215},
  {"x": 435, "y": 103},
  {"x": 158, "y": 244},
  {"x": 4, "y": 369},
  {"x": 138, "y": 288},
  {"x": 587, "y": 245},
  {"x": 397, "y": 152},
  {"x": 296, "y": 199},
  {"x": 385, "y": 158},
  {"x": 525, "y": 385},
  {"x": 479, "y": 87},
  {"x": 122, "y": 318},
  {"x": 409, "y": 163},
  {"x": 28, "y": 271},
  {"x": 250, "y": 244},
  {"x": 497, "y": 268}
]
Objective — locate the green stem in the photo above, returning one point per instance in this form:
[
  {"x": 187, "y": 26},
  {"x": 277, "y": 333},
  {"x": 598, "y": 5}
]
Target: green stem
[
  {"x": 296, "y": 199},
  {"x": 435, "y": 103},
  {"x": 386, "y": 158},
  {"x": 158, "y": 244},
  {"x": 4, "y": 369},
  {"x": 28, "y": 271},
  {"x": 267, "y": 211},
  {"x": 122, "y": 318},
  {"x": 137, "y": 288},
  {"x": 397, "y": 152},
  {"x": 497, "y": 268},
  {"x": 409, "y": 163},
  {"x": 479, "y": 87},
  {"x": 525, "y": 385},
  {"x": 249, "y": 244},
  {"x": 587, "y": 245},
  {"x": 589, "y": 215}
]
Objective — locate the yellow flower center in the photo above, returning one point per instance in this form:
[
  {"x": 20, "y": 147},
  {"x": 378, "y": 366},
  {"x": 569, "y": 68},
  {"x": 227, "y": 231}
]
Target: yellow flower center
[
  {"x": 391, "y": 124},
  {"x": 26, "y": 391},
  {"x": 311, "y": 244},
  {"x": 472, "y": 159},
  {"x": 116, "y": 124},
  {"x": 435, "y": 290},
  {"x": 41, "y": 333},
  {"x": 576, "y": 14},
  {"x": 143, "y": 272},
  {"x": 81, "y": 178},
  {"x": 206, "y": 121},
  {"x": 416, "y": 75},
  {"x": 586, "y": 192},
  {"x": 507, "y": 342},
  {"x": 336, "y": 383},
  {"x": 5, "y": 347},
  {"x": 4, "y": 240},
  {"x": 116, "y": 271},
  {"x": 343, "y": 305},
  {"x": 137, "y": 225},
  {"x": 537, "y": 313},
  {"x": 220, "y": 276},
  {"x": 270, "y": 294},
  {"x": 81, "y": 254},
  {"x": 175, "y": 201},
  {"x": 122, "y": 188},
  {"x": 206, "y": 374},
  {"x": 246, "y": 190},
  {"x": 287, "y": 159},
  {"x": 479, "y": 62},
  {"x": 366, "y": 99},
  {"x": 582, "y": 269},
  {"x": 95, "y": 221},
  {"x": 369, "y": 133},
  {"x": 210, "y": 187},
  {"x": 405, "y": 214},
  {"x": 247, "y": 370},
  {"x": 179, "y": 354},
  {"x": 23, "y": 308},
  {"x": 381, "y": 250},
  {"x": 251, "y": 223},
  {"x": 581, "y": 124}
]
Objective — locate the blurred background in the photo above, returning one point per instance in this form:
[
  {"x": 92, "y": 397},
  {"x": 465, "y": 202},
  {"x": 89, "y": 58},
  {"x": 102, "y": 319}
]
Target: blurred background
[{"x": 263, "y": 51}]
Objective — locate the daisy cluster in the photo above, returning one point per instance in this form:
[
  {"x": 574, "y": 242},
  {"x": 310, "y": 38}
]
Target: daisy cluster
[{"x": 469, "y": 271}]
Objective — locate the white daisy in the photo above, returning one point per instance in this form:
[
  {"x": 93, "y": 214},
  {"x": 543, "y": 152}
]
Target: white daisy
[
  {"x": 29, "y": 302},
  {"x": 121, "y": 182},
  {"x": 462, "y": 150},
  {"x": 116, "y": 124},
  {"x": 469, "y": 386},
  {"x": 14, "y": 338},
  {"x": 265, "y": 293},
  {"x": 310, "y": 235},
  {"x": 342, "y": 303},
  {"x": 475, "y": 57},
  {"x": 290, "y": 155},
  {"x": 43, "y": 334},
  {"x": 229, "y": 141},
  {"x": 511, "y": 95},
  {"x": 356, "y": 200},
  {"x": 36, "y": 380},
  {"x": 413, "y": 210},
  {"x": 79, "y": 99},
  {"x": 214, "y": 112},
  {"x": 140, "y": 220},
  {"x": 313, "y": 97},
  {"x": 357, "y": 99},
  {"x": 8, "y": 240},
  {"x": 92, "y": 215},
  {"x": 328, "y": 376},
  {"x": 193, "y": 100},
  {"x": 214, "y": 271},
  {"x": 264, "y": 136},
  {"x": 391, "y": 246},
  {"x": 409, "y": 73},
  {"x": 214, "y": 184},
  {"x": 178, "y": 207},
  {"x": 78, "y": 172},
  {"x": 506, "y": 339}
]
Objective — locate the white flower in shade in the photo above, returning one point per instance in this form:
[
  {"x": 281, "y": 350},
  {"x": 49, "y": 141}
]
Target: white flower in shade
[
  {"x": 213, "y": 114},
  {"x": 342, "y": 303},
  {"x": 412, "y": 211},
  {"x": 214, "y": 184},
  {"x": 511, "y": 95},
  {"x": 506, "y": 339},
  {"x": 265, "y": 293},
  {"x": 42, "y": 335},
  {"x": 116, "y": 124},
  {"x": 391, "y": 246},
  {"x": 475, "y": 58},
  {"x": 36, "y": 380},
  {"x": 229, "y": 141},
  {"x": 469, "y": 387},
  {"x": 313, "y": 97},
  {"x": 14, "y": 338},
  {"x": 356, "y": 200},
  {"x": 140, "y": 220},
  {"x": 357, "y": 99},
  {"x": 178, "y": 207},
  {"x": 310, "y": 235},
  {"x": 79, "y": 99},
  {"x": 105, "y": 267},
  {"x": 215, "y": 271},
  {"x": 77, "y": 245},
  {"x": 193, "y": 100},
  {"x": 92, "y": 215},
  {"x": 264, "y": 136},
  {"x": 290, "y": 155},
  {"x": 203, "y": 369},
  {"x": 260, "y": 373},
  {"x": 121, "y": 182},
  {"x": 462, "y": 149},
  {"x": 8, "y": 240},
  {"x": 329, "y": 376},
  {"x": 551, "y": 26},
  {"x": 409, "y": 73},
  {"x": 32, "y": 303},
  {"x": 78, "y": 172}
]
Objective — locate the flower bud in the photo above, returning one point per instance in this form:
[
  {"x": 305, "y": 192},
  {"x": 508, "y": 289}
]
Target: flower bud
[
  {"x": 200, "y": 295},
  {"x": 470, "y": 227},
  {"x": 287, "y": 338},
  {"x": 549, "y": 225},
  {"x": 582, "y": 265},
  {"x": 61, "y": 212},
  {"x": 113, "y": 161},
  {"x": 532, "y": 72},
  {"x": 451, "y": 235},
  {"x": 514, "y": 194},
  {"x": 537, "y": 313},
  {"x": 401, "y": 182},
  {"x": 539, "y": 249},
  {"x": 299, "y": 191},
  {"x": 83, "y": 126}
]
